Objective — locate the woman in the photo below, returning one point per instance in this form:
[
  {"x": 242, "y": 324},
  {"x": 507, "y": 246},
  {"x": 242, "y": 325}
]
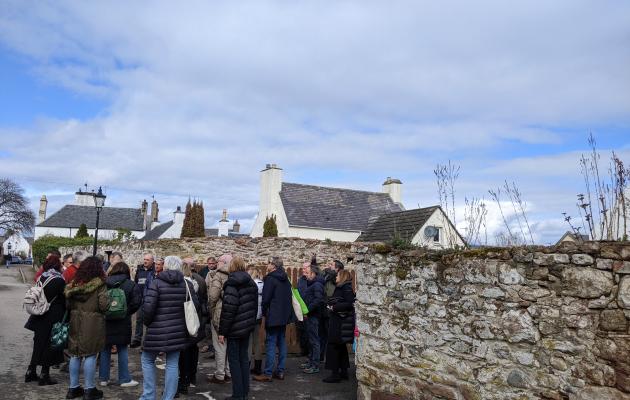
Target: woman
[
  {"x": 86, "y": 299},
  {"x": 41, "y": 325},
  {"x": 238, "y": 317},
  {"x": 341, "y": 327},
  {"x": 163, "y": 313},
  {"x": 189, "y": 357},
  {"x": 118, "y": 331},
  {"x": 255, "y": 344}
]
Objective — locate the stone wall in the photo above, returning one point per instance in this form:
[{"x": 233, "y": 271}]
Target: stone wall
[{"x": 531, "y": 323}]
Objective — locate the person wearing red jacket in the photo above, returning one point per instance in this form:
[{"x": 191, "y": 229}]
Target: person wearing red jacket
[{"x": 71, "y": 271}]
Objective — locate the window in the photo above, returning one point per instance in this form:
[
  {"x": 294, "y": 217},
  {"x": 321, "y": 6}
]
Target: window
[{"x": 436, "y": 238}]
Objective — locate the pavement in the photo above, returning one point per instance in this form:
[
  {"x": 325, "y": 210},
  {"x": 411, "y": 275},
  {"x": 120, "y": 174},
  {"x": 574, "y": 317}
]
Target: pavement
[{"x": 16, "y": 346}]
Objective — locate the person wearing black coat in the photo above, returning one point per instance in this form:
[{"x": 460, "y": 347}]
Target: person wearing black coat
[
  {"x": 341, "y": 328},
  {"x": 118, "y": 331},
  {"x": 165, "y": 320},
  {"x": 277, "y": 309},
  {"x": 313, "y": 296},
  {"x": 238, "y": 318},
  {"x": 41, "y": 325}
]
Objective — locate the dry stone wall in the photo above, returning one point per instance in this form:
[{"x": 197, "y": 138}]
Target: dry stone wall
[{"x": 535, "y": 323}]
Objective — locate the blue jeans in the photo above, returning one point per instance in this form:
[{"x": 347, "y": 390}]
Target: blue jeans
[
  {"x": 123, "y": 366},
  {"x": 275, "y": 337},
  {"x": 89, "y": 371},
  {"x": 137, "y": 337},
  {"x": 238, "y": 357},
  {"x": 170, "y": 378},
  {"x": 312, "y": 329}
]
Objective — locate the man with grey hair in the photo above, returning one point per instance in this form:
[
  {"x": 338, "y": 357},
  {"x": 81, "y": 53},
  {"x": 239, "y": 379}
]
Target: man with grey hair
[
  {"x": 78, "y": 257},
  {"x": 215, "y": 300},
  {"x": 143, "y": 277}
]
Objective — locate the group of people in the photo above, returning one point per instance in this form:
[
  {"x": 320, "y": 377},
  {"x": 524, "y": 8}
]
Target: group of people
[{"x": 232, "y": 302}]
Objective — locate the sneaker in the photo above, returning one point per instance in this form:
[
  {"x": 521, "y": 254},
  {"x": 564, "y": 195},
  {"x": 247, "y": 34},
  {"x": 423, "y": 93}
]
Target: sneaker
[
  {"x": 214, "y": 379},
  {"x": 311, "y": 370},
  {"x": 160, "y": 366},
  {"x": 131, "y": 383},
  {"x": 103, "y": 383},
  {"x": 305, "y": 365},
  {"x": 262, "y": 378}
]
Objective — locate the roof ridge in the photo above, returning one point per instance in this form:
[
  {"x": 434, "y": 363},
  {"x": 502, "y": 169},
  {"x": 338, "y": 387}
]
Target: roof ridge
[{"x": 335, "y": 188}]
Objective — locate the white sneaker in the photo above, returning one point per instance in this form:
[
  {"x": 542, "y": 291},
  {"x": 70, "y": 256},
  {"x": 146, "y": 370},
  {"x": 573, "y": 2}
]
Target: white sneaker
[
  {"x": 103, "y": 383},
  {"x": 161, "y": 366},
  {"x": 131, "y": 383}
]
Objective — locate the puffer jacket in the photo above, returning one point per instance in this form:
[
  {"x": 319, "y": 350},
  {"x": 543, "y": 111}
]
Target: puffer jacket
[
  {"x": 118, "y": 331},
  {"x": 277, "y": 299},
  {"x": 163, "y": 311},
  {"x": 87, "y": 303},
  {"x": 215, "y": 294},
  {"x": 240, "y": 306},
  {"x": 313, "y": 296},
  {"x": 341, "y": 325}
]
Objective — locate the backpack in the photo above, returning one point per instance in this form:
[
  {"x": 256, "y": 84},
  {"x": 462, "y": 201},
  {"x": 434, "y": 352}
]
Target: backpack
[
  {"x": 117, "y": 303},
  {"x": 35, "y": 301}
]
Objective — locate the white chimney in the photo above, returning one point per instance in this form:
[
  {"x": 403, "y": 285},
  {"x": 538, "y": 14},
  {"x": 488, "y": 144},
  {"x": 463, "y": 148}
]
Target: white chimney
[
  {"x": 393, "y": 187},
  {"x": 270, "y": 186},
  {"x": 178, "y": 216},
  {"x": 43, "y": 205},
  {"x": 84, "y": 198},
  {"x": 224, "y": 224}
]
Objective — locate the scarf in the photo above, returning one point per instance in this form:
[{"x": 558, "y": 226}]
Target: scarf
[{"x": 51, "y": 272}]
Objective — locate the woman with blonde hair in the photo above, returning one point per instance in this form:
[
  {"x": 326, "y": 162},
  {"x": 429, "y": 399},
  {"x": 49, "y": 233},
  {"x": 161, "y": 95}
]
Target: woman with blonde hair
[
  {"x": 340, "y": 328},
  {"x": 255, "y": 344},
  {"x": 238, "y": 318}
]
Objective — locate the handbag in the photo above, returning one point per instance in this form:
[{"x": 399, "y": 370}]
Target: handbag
[
  {"x": 59, "y": 333},
  {"x": 190, "y": 313}
]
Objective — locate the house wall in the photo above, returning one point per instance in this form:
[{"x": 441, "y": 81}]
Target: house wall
[
  {"x": 448, "y": 235},
  {"x": 322, "y": 234},
  {"x": 18, "y": 245},
  {"x": 175, "y": 231},
  {"x": 71, "y": 232}
]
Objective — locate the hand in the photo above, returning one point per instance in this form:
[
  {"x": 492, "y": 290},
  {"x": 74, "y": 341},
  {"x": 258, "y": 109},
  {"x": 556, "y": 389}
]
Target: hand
[{"x": 221, "y": 339}]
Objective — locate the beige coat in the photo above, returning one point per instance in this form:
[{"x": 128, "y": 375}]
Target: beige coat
[{"x": 215, "y": 294}]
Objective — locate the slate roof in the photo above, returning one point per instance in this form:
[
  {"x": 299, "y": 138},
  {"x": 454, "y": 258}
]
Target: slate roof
[
  {"x": 158, "y": 231},
  {"x": 72, "y": 216},
  {"x": 333, "y": 208},
  {"x": 403, "y": 224}
]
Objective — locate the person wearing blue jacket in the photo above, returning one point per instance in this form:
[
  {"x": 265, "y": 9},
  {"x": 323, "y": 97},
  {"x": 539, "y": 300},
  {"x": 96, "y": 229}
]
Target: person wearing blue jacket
[{"x": 313, "y": 296}]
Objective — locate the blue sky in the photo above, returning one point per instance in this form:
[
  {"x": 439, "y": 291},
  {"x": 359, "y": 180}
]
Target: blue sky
[{"x": 194, "y": 101}]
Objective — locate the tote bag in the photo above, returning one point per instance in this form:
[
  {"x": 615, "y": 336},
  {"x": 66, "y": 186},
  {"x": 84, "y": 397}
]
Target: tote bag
[
  {"x": 190, "y": 313},
  {"x": 297, "y": 309},
  {"x": 59, "y": 333},
  {"x": 298, "y": 298}
]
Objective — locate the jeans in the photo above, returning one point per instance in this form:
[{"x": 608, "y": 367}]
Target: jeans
[
  {"x": 123, "y": 365},
  {"x": 323, "y": 336},
  {"x": 137, "y": 337},
  {"x": 89, "y": 371},
  {"x": 275, "y": 337},
  {"x": 312, "y": 328},
  {"x": 238, "y": 357},
  {"x": 170, "y": 376}
]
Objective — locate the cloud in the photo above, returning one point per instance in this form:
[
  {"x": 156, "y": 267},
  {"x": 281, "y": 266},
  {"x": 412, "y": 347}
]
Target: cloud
[{"x": 201, "y": 97}]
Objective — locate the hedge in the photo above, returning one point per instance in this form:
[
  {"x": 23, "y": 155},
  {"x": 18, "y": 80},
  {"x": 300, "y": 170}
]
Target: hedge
[{"x": 45, "y": 244}]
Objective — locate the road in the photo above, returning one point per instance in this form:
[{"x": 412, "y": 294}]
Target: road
[{"x": 16, "y": 344}]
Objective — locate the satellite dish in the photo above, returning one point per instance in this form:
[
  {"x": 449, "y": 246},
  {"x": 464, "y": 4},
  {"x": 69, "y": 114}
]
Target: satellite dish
[{"x": 430, "y": 231}]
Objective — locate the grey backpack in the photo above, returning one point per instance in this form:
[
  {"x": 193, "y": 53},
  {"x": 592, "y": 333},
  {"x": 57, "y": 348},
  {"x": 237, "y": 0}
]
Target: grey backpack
[{"x": 35, "y": 301}]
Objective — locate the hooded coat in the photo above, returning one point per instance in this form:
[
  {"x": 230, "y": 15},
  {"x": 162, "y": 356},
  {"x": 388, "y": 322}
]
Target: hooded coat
[
  {"x": 313, "y": 296},
  {"x": 341, "y": 325},
  {"x": 240, "y": 306},
  {"x": 277, "y": 306},
  {"x": 118, "y": 331},
  {"x": 215, "y": 293},
  {"x": 87, "y": 304},
  {"x": 164, "y": 313}
]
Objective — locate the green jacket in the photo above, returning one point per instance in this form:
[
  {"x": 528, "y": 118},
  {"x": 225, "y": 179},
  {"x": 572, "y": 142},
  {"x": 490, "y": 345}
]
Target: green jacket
[{"x": 87, "y": 303}]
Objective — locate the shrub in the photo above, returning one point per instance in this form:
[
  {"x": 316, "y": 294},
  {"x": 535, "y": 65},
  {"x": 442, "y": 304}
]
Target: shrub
[
  {"x": 45, "y": 244},
  {"x": 82, "y": 232},
  {"x": 270, "y": 228}
]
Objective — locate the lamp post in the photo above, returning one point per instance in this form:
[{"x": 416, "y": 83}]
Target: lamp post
[{"x": 99, "y": 202}]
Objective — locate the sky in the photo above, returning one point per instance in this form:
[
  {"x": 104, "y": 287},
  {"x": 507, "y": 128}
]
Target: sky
[{"x": 177, "y": 101}]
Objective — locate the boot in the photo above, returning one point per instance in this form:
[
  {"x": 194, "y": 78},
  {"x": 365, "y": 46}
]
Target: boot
[
  {"x": 73, "y": 393},
  {"x": 92, "y": 394},
  {"x": 344, "y": 374},
  {"x": 45, "y": 379},
  {"x": 257, "y": 367},
  {"x": 31, "y": 374},
  {"x": 333, "y": 378}
]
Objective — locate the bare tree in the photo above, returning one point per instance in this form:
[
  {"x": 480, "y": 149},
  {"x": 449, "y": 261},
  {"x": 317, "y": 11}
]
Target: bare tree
[
  {"x": 15, "y": 215},
  {"x": 446, "y": 176},
  {"x": 475, "y": 214}
]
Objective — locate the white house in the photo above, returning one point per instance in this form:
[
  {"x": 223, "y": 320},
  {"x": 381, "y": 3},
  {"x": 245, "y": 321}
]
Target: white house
[
  {"x": 428, "y": 227},
  {"x": 68, "y": 219},
  {"x": 16, "y": 244},
  {"x": 173, "y": 229},
  {"x": 317, "y": 212}
]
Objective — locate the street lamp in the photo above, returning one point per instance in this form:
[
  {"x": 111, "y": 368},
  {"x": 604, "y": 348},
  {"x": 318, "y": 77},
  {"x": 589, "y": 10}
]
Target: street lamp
[{"x": 99, "y": 202}]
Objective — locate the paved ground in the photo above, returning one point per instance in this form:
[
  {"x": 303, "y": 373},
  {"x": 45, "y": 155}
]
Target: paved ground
[{"x": 15, "y": 348}]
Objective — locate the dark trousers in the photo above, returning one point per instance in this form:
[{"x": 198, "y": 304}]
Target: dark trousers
[
  {"x": 303, "y": 336},
  {"x": 137, "y": 337},
  {"x": 312, "y": 327},
  {"x": 42, "y": 353},
  {"x": 188, "y": 359},
  {"x": 238, "y": 357},
  {"x": 337, "y": 358},
  {"x": 323, "y": 337}
]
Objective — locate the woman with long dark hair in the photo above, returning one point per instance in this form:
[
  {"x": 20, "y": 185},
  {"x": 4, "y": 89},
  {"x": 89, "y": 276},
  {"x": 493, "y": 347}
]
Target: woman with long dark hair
[
  {"x": 54, "y": 284},
  {"x": 87, "y": 301},
  {"x": 340, "y": 328},
  {"x": 118, "y": 330}
]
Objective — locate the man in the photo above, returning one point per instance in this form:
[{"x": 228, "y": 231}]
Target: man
[
  {"x": 330, "y": 283},
  {"x": 77, "y": 259},
  {"x": 215, "y": 299},
  {"x": 313, "y": 296},
  {"x": 145, "y": 273},
  {"x": 114, "y": 259},
  {"x": 211, "y": 265},
  {"x": 67, "y": 261},
  {"x": 278, "y": 309}
]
